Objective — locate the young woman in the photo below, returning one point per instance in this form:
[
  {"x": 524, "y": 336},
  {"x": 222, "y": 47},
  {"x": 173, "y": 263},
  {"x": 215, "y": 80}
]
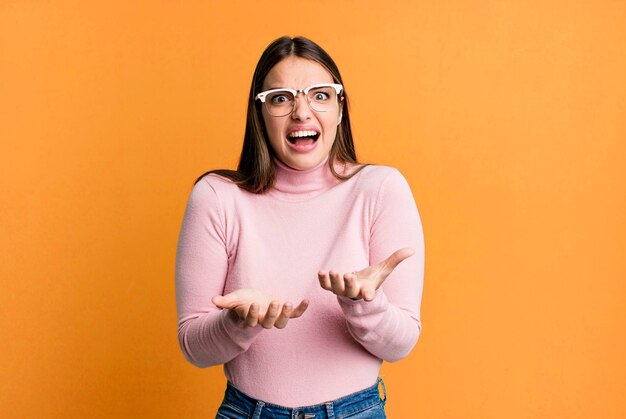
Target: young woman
[{"x": 289, "y": 269}]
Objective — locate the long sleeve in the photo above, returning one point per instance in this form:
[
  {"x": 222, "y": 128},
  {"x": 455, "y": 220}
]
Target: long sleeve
[
  {"x": 389, "y": 325},
  {"x": 276, "y": 242},
  {"x": 207, "y": 335}
]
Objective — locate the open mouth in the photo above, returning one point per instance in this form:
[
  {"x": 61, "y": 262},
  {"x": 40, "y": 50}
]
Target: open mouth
[{"x": 303, "y": 137}]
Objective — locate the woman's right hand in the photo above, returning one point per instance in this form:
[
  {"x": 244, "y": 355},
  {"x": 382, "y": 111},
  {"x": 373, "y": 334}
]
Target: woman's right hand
[{"x": 255, "y": 307}]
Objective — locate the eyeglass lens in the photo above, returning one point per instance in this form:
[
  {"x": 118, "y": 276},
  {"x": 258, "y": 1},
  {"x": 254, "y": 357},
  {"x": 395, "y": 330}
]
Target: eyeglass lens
[{"x": 282, "y": 102}]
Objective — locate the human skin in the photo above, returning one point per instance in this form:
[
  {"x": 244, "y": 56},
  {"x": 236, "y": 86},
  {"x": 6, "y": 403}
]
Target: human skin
[
  {"x": 252, "y": 306},
  {"x": 255, "y": 307},
  {"x": 364, "y": 283},
  {"x": 298, "y": 73}
]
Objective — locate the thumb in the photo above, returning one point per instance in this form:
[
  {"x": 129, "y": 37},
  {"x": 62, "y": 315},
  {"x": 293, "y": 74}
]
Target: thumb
[
  {"x": 221, "y": 301},
  {"x": 398, "y": 256}
]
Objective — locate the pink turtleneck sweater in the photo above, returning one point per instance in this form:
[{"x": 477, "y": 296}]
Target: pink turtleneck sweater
[{"x": 277, "y": 242}]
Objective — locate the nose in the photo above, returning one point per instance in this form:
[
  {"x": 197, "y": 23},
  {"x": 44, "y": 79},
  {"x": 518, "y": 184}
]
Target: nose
[{"x": 302, "y": 109}]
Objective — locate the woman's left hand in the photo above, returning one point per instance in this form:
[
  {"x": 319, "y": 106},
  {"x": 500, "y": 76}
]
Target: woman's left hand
[{"x": 364, "y": 283}]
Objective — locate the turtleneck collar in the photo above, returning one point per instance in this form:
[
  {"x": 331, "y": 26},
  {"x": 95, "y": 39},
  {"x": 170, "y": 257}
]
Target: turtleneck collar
[{"x": 298, "y": 185}]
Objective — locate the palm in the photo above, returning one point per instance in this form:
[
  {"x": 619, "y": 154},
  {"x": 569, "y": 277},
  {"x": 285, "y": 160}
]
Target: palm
[
  {"x": 256, "y": 307},
  {"x": 364, "y": 283},
  {"x": 241, "y": 300}
]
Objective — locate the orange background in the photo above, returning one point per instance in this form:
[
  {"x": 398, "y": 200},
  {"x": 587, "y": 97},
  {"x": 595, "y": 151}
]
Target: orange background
[{"x": 507, "y": 118}]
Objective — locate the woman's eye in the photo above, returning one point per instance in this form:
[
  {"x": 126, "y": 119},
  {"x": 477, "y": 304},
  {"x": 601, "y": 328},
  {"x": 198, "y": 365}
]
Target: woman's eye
[
  {"x": 321, "y": 96},
  {"x": 280, "y": 99}
]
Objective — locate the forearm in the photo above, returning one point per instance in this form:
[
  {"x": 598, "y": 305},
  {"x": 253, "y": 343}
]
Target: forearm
[
  {"x": 382, "y": 328},
  {"x": 214, "y": 338}
]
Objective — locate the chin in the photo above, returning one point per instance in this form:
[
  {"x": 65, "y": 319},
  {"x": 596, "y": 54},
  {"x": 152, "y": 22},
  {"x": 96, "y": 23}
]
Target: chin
[{"x": 305, "y": 162}]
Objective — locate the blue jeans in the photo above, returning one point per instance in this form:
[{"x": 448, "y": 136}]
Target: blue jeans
[{"x": 364, "y": 404}]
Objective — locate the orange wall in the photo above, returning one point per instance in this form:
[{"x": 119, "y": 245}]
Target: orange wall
[{"x": 507, "y": 118}]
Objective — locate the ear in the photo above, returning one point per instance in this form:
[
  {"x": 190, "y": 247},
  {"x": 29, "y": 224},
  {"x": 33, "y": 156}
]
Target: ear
[{"x": 340, "y": 111}]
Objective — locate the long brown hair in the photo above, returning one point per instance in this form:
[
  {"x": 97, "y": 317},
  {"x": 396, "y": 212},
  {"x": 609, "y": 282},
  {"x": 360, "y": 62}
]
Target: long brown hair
[{"x": 256, "y": 172}]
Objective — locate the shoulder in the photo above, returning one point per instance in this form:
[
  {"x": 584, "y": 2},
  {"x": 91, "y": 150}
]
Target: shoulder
[
  {"x": 212, "y": 193},
  {"x": 377, "y": 177},
  {"x": 219, "y": 185},
  {"x": 379, "y": 172},
  {"x": 386, "y": 186}
]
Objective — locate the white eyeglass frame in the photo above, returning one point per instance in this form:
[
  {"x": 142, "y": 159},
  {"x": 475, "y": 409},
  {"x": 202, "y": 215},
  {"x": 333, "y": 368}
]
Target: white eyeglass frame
[{"x": 338, "y": 88}]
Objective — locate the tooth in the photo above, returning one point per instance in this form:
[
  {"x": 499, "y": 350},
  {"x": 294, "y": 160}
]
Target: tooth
[{"x": 305, "y": 133}]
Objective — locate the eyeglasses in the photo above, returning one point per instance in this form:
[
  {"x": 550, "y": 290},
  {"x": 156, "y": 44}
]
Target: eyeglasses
[{"x": 282, "y": 102}]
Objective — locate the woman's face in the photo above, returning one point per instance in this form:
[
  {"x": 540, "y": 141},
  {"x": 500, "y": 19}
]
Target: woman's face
[{"x": 301, "y": 154}]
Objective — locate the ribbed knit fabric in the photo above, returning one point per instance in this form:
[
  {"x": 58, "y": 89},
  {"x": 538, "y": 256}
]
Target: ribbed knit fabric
[{"x": 277, "y": 242}]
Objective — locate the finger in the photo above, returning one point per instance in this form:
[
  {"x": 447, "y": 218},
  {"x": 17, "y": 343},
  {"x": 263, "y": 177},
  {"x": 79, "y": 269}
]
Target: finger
[
  {"x": 271, "y": 315},
  {"x": 222, "y": 301},
  {"x": 297, "y": 312},
  {"x": 324, "y": 280},
  {"x": 395, "y": 258},
  {"x": 337, "y": 284},
  {"x": 368, "y": 294},
  {"x": 252, "y": 318},
  {"x": 281, "y": 322},
  {"x": 352, "y": 286}
]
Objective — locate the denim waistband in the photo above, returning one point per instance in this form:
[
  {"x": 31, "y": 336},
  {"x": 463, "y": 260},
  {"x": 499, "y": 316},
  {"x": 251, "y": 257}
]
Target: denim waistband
[{"x": 343, "y": 406}]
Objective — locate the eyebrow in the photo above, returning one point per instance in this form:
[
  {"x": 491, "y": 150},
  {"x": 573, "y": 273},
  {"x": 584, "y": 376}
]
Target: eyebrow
[{"x": 289, "y": 88}]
